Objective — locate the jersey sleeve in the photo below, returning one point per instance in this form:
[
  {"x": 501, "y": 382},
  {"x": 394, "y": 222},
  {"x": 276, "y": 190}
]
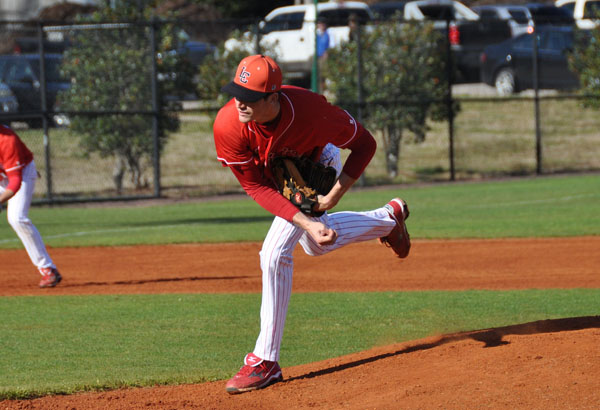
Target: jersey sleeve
[
  {"x": 231, "y": 146},
  {"x": 15, "y": 178},
  {"x": 362, "y": 150}
]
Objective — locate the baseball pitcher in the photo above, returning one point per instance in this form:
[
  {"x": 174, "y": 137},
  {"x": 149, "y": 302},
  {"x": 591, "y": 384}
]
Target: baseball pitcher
[{"x": 283, "y": 145}]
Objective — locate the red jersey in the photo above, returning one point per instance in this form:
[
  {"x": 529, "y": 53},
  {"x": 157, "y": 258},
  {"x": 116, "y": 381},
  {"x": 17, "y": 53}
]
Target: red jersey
[
  {"x": 14, "y": 156},
  {"x": 305, "y": 124}
]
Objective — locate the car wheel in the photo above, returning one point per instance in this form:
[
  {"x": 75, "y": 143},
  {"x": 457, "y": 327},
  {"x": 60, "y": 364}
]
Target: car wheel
[{"x": 505, "y": 82}]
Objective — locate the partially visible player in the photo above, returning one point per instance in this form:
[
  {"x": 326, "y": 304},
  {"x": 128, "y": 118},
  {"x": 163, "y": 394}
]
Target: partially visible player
[
  {"x": 17, "y": 181},
  {"x": 264, "y": 120}
]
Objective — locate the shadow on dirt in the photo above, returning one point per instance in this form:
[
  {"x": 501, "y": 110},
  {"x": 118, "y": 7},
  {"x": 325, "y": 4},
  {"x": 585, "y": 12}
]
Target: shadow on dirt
[
  {"x": 490, "y": 338},
  {"x": 159, "y": 280}
]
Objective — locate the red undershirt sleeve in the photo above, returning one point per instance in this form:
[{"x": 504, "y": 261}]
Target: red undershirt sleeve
[
  {"x": 263, "y": 192},
  {"x": 15, "y": 178},
  {"x": 363, "y": 148}
]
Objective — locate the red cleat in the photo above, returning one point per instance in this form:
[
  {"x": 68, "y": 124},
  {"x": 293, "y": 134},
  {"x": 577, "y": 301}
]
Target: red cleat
[
  {"x": 399, "y": 239},
  {"x": 255, "y": 374},
  {"x": 50, "y": 277}
]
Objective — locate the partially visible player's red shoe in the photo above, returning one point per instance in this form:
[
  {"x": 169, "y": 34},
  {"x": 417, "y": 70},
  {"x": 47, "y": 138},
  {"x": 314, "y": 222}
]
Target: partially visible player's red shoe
[
  {"x": 255, "y": 374},
  {"x": 399, "y": 239},
  {"x": 50, "y": 277}
]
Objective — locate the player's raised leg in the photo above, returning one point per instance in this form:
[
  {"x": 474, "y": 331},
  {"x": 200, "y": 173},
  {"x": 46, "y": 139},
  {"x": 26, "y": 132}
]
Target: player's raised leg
[{"x": 385, "y": 223}]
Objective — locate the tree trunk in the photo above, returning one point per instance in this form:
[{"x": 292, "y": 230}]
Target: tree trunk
[
  {"x": 392, "y": 154},
  {"x": 118, "y": 173}
]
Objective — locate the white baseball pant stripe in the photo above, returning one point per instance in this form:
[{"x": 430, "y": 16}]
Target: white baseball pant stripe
[
  {"x": 277, "y": 264},
  {"x": 17, "y": 214}
]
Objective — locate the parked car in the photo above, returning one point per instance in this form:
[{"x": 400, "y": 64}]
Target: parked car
[
  {"x": 585, "y": 12},
  {"x": 388, "y": 10},
  {"x": 21, "y": 72},
  {"x": 518, "y": 16},
  {"x": 508, "y": 66}
]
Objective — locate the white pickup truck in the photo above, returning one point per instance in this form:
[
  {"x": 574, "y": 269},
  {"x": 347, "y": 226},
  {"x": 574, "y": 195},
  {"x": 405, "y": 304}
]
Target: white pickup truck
[{"x": 290, "y": 30}]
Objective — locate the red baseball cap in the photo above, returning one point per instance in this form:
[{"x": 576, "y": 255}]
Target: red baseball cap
[{"x": 256, "y": 76}]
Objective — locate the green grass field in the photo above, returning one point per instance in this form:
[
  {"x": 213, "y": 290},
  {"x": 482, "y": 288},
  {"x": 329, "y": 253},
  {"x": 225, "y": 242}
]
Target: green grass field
[{"x": 64, "y": 344}]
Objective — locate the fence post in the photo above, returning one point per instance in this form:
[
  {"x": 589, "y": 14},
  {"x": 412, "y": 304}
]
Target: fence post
[
  {"x": 155, "y": 111},
  {"x": 257, "y": 48},
  {"x": 44, "y": 109},
  {"x": 359, "y": 83},
  {"x": 449, "y": 103},
  {"x": 314, "y": 78},
  {"x": 536, "y": 86}
]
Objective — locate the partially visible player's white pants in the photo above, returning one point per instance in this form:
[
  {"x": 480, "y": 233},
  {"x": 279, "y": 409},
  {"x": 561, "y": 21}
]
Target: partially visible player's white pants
[
  {"x": 277, "y": 262},
  {"x": 17, "y": 215}
]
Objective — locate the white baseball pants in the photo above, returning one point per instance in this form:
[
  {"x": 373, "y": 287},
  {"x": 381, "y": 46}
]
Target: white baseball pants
[
  {"x": 276, "y": 259},
  {"x": 17, "y": 215}
]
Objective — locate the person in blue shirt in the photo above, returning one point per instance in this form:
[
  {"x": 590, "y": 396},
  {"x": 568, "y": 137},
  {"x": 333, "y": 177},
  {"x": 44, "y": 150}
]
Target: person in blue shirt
[
  {"x": 323, "y": 38},
  {"x": 324, "y": 43}
]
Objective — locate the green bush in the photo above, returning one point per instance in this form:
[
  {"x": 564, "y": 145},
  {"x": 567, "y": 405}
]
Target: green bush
[{"x": 585, "y": 61}]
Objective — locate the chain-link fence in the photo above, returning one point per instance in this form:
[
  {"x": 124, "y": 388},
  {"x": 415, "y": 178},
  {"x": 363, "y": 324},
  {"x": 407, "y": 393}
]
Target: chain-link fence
[{"x": 535, "y": 127}]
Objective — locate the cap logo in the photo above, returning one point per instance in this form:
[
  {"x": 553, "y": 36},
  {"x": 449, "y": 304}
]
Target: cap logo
[{"x": 244, "y": 76}]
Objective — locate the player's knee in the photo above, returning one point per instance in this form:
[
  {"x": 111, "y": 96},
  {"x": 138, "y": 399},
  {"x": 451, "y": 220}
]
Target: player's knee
[
  {"x": 272, "y": 261},
  {"x": 18, "y": 221}
]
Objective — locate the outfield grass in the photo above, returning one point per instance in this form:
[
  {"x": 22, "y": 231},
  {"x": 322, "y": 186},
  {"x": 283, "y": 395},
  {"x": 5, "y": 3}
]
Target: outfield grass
[{"x": 63, "y": 344}]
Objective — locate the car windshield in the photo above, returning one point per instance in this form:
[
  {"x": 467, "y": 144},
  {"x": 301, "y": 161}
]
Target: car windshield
[
  {"x": 341, "y": 16},
  {"x": 519, "y": 16},
  {"x": 437, "y": 12},
  {"x": 387, "y": 11},
  {"x": 283, "y": 22}
]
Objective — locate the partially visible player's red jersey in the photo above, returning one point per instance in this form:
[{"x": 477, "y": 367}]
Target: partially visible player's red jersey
[
  {"x": 307, "y": 123},
  {"x": 14, "y": 154}
]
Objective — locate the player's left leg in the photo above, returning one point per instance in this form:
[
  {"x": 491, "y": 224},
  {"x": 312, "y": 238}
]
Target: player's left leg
[
  {"x": 277, "y": 266},
  {"x": 18, "y": 218},
  {"x": 260, "y": 367}
]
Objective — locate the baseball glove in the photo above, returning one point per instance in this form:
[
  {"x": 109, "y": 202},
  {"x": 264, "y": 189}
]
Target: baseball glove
[{"x": 300, "y": 180}]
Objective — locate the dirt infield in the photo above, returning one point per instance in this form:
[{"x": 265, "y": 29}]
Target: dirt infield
[{"x": 551, "y": 364}]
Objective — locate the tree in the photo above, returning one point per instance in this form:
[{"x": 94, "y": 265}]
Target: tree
[
  {"x": 404, "y": 81},
  {"x": 111, "y": 70},
  {"x": 585, "y": 61}
]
